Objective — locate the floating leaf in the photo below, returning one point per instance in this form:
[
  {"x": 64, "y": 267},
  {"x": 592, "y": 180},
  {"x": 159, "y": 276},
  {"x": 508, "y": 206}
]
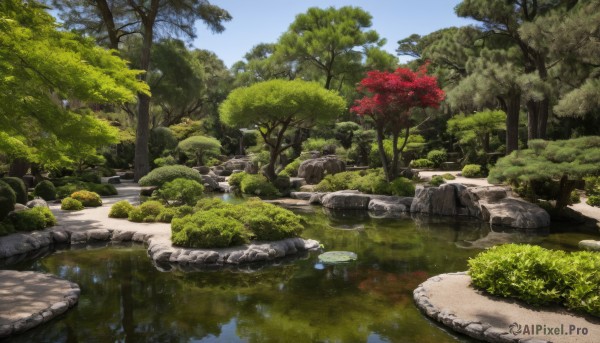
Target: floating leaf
[{"x": 333, "y": 257}]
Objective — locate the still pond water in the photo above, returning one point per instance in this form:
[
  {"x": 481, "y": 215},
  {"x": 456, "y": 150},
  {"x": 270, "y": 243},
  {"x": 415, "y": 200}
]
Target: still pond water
[{"x": 126, "y": 298}]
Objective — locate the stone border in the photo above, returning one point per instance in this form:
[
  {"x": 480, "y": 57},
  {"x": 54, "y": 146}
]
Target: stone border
[
  {"x": 476, "y": 329},
  {"x": 71, "y": 297},
  {"x": 160, "y": 250}
]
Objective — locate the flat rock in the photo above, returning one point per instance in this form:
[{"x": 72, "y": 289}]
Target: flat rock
[
  {"x": 515, "y": 213},
  {"x": 314, "y": 170},
  {"x": 590, "y": 245},
  {"x": 28, "y": 299},
  {"x": 346, "y": 200}
]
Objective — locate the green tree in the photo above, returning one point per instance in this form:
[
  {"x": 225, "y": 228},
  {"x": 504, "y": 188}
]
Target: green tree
[
  {"x": 111, "y": 21},
  {"x": 566, "y": 162},
  {"x": 44, "y": 84},
  {"x": 200, "y": 147},
  {"x": 276, "y": 106},
  {"x": 328, "y": 40},
  {"x": 477, "y": 128}
]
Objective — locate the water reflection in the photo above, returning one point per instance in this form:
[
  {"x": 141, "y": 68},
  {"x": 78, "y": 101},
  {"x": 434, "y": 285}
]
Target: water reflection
[{"x": 126, "y": 298}]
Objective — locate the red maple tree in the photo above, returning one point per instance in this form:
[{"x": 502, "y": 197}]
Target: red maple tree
[{"x": 389, "y": 101}]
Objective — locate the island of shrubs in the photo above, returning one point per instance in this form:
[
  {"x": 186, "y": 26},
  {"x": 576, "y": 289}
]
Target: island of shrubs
[
  {"x": 13, "y": 191},
  {"x": 540, "y": 276}
]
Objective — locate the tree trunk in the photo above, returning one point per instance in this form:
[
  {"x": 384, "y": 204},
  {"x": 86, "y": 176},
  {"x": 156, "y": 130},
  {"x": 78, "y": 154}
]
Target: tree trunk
[
  {"x": 532, "y": 120},
  {"x": 513, "y": 106},
  {"x": 270, "y": 170},
  {"x": 107, "y": 18},
  {"x": 18, "y": 167},
  {"x": 141, "y": 161},
  {"x": 486, "y": 142},
  {"x": 384, "y": 160},
  {"x": 544, "y": 109},
  {"x": 564, "y": 196}
]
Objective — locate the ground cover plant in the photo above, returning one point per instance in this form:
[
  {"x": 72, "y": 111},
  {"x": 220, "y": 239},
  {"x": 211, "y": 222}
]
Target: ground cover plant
[
  {"x": 540, "y": 276},
  {"x": 370, "y": 181}
]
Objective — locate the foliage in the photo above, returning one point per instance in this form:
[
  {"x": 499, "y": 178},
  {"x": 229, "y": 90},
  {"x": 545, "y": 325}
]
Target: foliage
[
  {"x": 472, "y": 170},
  {"x": 197, "y": 148},
  {"x": 291, "y": 169},
  {"x": 448, "y": 176},
  {"x": 276, "y": 105},
  {"x": 414, "y": 145},
  {"x": 7, "y": 199},
  {"x": 87, "y": 198},
  {"x": 41, "y": 68},
  {"x": 592, "y": 185},
  {"x": 437, "y": 180},
  {"x": 282, "y": 183},
  {"x": 564, "y": 161},
  {"x": 371, "y": 181},
  {"x": 162, "y": 140},
  {"x": 146, "y": 212},
  {"x": 422, "y": 163},
  {"x": 91, "y": 177},
  {"x": 18, "y": 186},
  {"x": 473, "y": 131},
  {"x": 389, "y": 100},
  {"x": 70, "y": 204},
  {"x": 575, "y": 198},
  {"x": 593, "y": 200},
  {"x": 437, "y": 157},
  {"x": 74, "y": 186},
  {"x": 402, "y": 187},
  {"x": 219, "y": 224},
  {"x": 257, "y": 185},
  {"x": 324, "y": 146},
  {"x": 539, "y": 276},
  {"x": 168, "y": 213},
  {"x": 235, "y": 180},
  {"x": 344, "y": 132},
  {"x": 37, "y": 218},
  {"x": 120, "y": 209},
  {"x": 180, "y": 191},
  {"x": 337, "y": 182},
  {"x": 161, "y": 175},
  {"x": 165, "y": 161},
  {"x": 136, "y": 215},
  {"x": 45, "y": 190}
]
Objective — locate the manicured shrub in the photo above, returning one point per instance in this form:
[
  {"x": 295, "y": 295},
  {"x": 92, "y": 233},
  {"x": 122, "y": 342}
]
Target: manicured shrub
[
  {"x": 208, "y": 229},
  {"x": 180, "y": 191},
  {"x": 165, "y": 161},
  {"x": 7, "y": 199},
  {"x": 574, "y": 198},
  {"x": 120, "y": 209},
  {"x": 593, "y": 200},
  {"x": 136, "y": 215},
  {"x": 592, "y": 185},
  {"x": 421, "y": 163},
  {"x": 210, "y": 203},
  {"x": 472, "y": 170},
  {"x": 6, "y": 228},
  {"x": 90, "y": 176},
  {"x": 269, "y": 222},
  {"x": 37, "y": 218},
  {"x": 402, "y": 187},
  {"x": 282, "y": 183},
  {"x": 151, "y": 208},
  {"x": 45, "y": 190},
  {"x": 87, "y": 198},
  {"x": 235, "y": 180},
  {"x": 448, "y": 176},
  {"x": 539, "y": 276},
  {"x": 437, "y": 180},
  {"x": 257, "y": 185},
  {"x": 338, "y": 182},
  {"x": 291, "y": 169},
  {"x": 437, "y": 157},
  {"x": 70, "y": 204},
  {"x": 162, "y": 175},
  {"x": 72, "y": 187},
  {"x": 102, "y": 189},
  {"x": 168, "y": 213},
  {"x": 18, "y": 186}
]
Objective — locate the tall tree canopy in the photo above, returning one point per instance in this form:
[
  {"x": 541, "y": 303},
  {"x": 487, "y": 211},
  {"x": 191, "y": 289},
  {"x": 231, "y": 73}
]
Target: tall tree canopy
[
  {"x": 43, "y": 71},
  {"x": 389, "y": 101},
  {"x": 110, "y": 21},
  {"x": 278, "y": 105}
]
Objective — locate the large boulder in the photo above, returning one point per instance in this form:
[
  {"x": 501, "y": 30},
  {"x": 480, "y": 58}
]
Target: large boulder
[
  {"x": 37, "y": 202},
  {"x": 449, "y": 199},
  {"x": 389, "y": 204},
  {"x": 514, "y": 213},
  {"x": 346, "y": 200},
  {"x": 314, "y": 170},
  {"x": 202, "y": 169},
  {"x": 236, "y": 163},
  {"x": 210, "y": 184}
]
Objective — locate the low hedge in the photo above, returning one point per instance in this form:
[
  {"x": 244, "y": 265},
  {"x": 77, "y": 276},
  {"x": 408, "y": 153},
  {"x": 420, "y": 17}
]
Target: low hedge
[
  {"x": 180, "y": 191},
  {"x": 540, "y": 276},
  {"x": 37, "y": 218},
  {"x": 472, "y": 170},
  {"x": 70, "y": 188},
  {"x": 421, "y": 163},
  {"x": 18, "y": 186},
  {"x": 146, "y": 212},
  {"x": 370, "y": 181},
  {"x": 7, "y": 199},
  {"x": 70, "y": 204},
  {"x": 120, "y": 209},
  {"x": 87, "y": 198},
  {"x": 437, "y": 180},
  {"x": 257, "y": 185},
  {"x": 219, "y": 224},
  {"x": 161, "y": 175},
  {"x": 45, "y": 190}
]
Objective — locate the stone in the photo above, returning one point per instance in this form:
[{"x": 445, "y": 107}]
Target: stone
[
  {"x": 314, "y": 170},
  {"x": 301, "y": 195},
  {"x": 297, "y": 182},
  {"x": 589, "y": 244},
  {"x": 99, "y": 234},
  {"x": 202, "y": 169},
  {"x": 61, "y": 236},
  {"x": 37, "y": 202},
  {"x": 488, "y": 194},
  {"x": 346, "y": 200},
  {"x": 114, "y": 180},
  {"x": 210, "y": 184},
  {"x": 129, "y": 175},
  {"x": 147, "y": 191},
  {"x": 224, "y": 187},
  {"x": 236, "y": 163},
  {"x": 515, "y": 213},
  {"x": 20, "y": 207},
  {"x": 390, "y": 204},
  {"x": 251, "y": 168}
]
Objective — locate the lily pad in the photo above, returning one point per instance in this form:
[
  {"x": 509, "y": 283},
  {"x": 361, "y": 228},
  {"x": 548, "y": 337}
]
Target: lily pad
[{"x": 333, "y": 257}]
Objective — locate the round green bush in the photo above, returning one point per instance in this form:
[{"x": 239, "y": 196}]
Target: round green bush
[
  {"x": 437, "y": 180},
  {"x": 421, "y": 163},
  {"x": 282, "y": 183},
  {"x": 90, "y": 176},
  {"x": 291, "y": 169},
  {"x": 180, "y": 191},
  {"x": 269, "y": 222},
  {"x": 102, "y": 189},
  {"x": 208, "y": 229},
  {"x": 87, "y": 198},
  {"x": 472, "y": 170},
  {"x": 210, "y": 203},
  {"x": 402, "y": 187},
  {"x": 437, "y": 157},
  {"x": 120, "y": 209},
  {"x": 593, "y": 200},
  {"x": 136, "y": 215},
  {"x": 162, "y": 175},
  {"x": 168, "y": 213},
  {"x": 146, "y": 212},
  {"x": 258, "y": 185},
  {"x": 19, "y": 187},
  {"x": 235, "y": 180},
  {"x": 7, "y": 199},
  {"x": 37, "y": 218},
  {"x": 448, "y": 176},
  {"x": 70, "y": 204},
  {"x": 45, "y": 190}
]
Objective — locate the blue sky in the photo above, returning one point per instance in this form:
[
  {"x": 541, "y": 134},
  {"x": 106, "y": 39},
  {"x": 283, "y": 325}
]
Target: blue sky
[{"x": 263, "y": 21}]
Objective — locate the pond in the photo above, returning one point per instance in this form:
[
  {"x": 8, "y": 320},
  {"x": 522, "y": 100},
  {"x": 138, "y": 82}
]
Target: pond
[{"x": 125, "y": 297}]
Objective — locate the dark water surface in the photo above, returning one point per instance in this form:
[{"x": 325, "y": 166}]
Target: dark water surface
[{"x": 125, "y": 298}]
